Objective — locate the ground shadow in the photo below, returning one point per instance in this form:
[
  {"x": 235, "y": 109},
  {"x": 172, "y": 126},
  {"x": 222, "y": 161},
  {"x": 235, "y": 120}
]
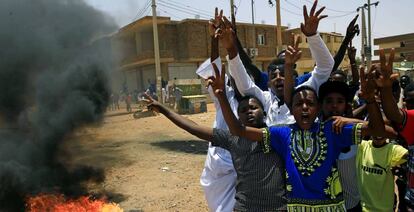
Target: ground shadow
[
  {"x": 104, "y": 154},
  {"x": 198, "y": 147}
]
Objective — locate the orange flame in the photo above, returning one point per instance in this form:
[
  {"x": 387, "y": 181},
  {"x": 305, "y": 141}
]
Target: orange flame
[{"x": 58, "y": 203}]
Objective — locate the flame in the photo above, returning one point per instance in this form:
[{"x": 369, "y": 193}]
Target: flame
[{"x": 58, "y": 203}]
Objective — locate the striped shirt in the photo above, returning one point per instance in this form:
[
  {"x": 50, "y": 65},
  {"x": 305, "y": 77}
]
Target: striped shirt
[
  {"x": 347, "y": 173},
  {"x": 260, "y": 182}
]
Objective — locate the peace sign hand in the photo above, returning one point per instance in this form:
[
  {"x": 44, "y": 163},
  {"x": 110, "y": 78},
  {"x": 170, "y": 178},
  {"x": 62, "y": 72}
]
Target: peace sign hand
[
  {"x": 387, "y": 76},
  {"x": 226, "y": 35},
  {"x": 217, "y": 82},
  {"x": 293, "y": 54},
  {"x": 310, "y": 26},
  {"x": 368, "y": 85},
  {"x": 214, "y": 24}
]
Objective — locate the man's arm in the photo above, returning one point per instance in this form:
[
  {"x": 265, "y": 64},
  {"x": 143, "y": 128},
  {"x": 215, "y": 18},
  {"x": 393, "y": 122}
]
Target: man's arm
[
  {"x": 354, "y": 68},
  {"x": 351, "y": 31},
  {"x": 389, "y": 104},
  {"x": 376, "y": 126},
  {"x": 244, "y": 83},
  {"x": 292, "y": 55},
  {"x": 235, "y": 127},
  {"x": 213, "y": 25},
  {"x": 201, "y": 132},
  {"x": 320, "y": 53}
]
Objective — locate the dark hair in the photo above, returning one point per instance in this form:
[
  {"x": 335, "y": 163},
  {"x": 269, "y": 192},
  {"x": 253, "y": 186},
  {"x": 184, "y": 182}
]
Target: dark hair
[
  {"x": 408, "y": 88},
  {"x": 303, "y": 88},
  {"x": 276, "y": 62},
  {"x": 281, "y": 54},
  {"x": 247, "y": 98},
  {"x": 340, "y": 72},
  {"x": 334, "y": 87}
]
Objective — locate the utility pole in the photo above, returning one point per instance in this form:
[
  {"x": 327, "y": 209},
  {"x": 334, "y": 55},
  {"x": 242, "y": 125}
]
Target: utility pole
[
  {"x": 232, "y": 7},
  {"x": 254, "y": 33},
  {"x": 363, "y": 36},
  {"x": 367, "y": 45},
  {"x": 156, "y": 50},
  {"x": 278, "y": 28}
]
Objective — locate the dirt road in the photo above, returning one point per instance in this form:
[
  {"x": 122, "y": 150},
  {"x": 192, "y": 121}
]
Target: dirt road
[{"x": 153, "y": 164}]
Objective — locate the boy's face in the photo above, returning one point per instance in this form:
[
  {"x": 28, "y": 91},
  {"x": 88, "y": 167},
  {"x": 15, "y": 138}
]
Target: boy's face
[
  {"x": 305, "y": 108},
  {"x": 409, "y": 100},
  {"x": 333, "y": 104},
  {"x": 251, "y": 113},
  {"x": 276, "y": 81}
]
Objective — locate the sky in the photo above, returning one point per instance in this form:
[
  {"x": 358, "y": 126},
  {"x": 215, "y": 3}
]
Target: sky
[{"x": 390, "y": 17}]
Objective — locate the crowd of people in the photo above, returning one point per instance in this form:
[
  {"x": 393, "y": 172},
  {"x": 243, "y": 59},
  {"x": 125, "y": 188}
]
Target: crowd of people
[
  {"x": 171, "y": 95},
  {"x": 316, "y": 142}
]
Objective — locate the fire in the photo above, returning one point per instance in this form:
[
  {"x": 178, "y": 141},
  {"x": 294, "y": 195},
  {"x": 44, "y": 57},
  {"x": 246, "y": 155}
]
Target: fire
[{"x": 58, "y": 203}]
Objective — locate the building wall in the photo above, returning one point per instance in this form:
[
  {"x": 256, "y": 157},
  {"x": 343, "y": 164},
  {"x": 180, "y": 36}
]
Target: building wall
[{"x": 186, "y": 44}]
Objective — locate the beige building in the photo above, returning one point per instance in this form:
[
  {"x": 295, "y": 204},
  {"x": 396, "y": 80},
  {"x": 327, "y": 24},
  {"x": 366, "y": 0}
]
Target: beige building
[
  {"x": 404, "y": 51},
  {"x": 185, "y": 44},
  {"x": 403, "y": 45},
  {"x": 332, "y": 40}
]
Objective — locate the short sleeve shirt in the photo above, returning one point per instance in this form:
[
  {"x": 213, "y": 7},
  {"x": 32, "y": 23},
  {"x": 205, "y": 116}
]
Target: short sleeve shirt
[
  {"x": 310, "y": 159},
  {"x": 260, "y": 184}
]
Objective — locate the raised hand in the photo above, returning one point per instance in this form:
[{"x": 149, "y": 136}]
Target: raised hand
[
  {"x": 351, "y": 53},
  {"x": 214, "y": 24},
  {"x": 310, "y": 27},
  {"x": 217, "y": 82},
  {"x": 226, "y": 34},
  {"x": 387, "y": 76},
  {"x": 352, "y": 29},
  {"x": 368, "y": 85},
  {"x": 293, "y": 53},
  {"x": 152, "y": 104}
]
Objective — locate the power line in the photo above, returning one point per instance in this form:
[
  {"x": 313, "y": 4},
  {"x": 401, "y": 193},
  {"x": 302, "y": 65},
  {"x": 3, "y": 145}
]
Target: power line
[
  {"x": 181, "y": 10},
  {"x": 291, "y": 12},
  {"x": 339, "y": 11},
  {"x": 171, "y": 14},
  {"x": 185, "y": 7},
  {"x": 339, "y": 16},
  {"x": 197, "y": 9},
  {"x": 329, "y": 17},
  {"x": 142, "y": 10},
  {"x": 296, "y": 6}
]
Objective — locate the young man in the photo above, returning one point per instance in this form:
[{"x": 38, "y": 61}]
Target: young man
[
  {"x": 218, "y": 178},
  {"x": 409, "y": 96},
  {"x": 273, "y": 100},
  {"x": 334, "y": 98},
  {"x": 402, "y": 119},
  {"x": 260, "y": 184},
  {"x": 309, "y": 148},
  {"x": 375, "y": 160}
]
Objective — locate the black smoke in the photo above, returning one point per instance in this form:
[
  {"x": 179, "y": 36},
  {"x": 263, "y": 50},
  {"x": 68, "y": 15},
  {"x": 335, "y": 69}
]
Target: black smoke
[{"x": 54, "y": 59}]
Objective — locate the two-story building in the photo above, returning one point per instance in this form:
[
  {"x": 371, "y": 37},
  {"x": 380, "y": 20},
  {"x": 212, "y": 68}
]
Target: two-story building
[{"x": 185, "y": 44}]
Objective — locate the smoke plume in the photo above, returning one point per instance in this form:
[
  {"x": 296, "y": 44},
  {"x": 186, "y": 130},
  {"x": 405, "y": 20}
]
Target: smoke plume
[{"x": 54, "y": 60}]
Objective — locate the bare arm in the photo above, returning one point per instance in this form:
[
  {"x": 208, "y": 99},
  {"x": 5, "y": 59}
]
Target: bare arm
[
  {"x": 389, "y": 104},
  {"x": 376, "y": 126},
  {"x": 213, "y": 26},
  {"x": 351, "y": 31},
  {"x": 354, "y": 68},
  {"x": 202, "y": 132},
  {"x": 292, "y": 55}
]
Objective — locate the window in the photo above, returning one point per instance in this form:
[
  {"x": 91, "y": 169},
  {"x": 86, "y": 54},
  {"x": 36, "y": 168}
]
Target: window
[
  {"x": 328, "y": 38},
  {"x": 261, "y": 39}
]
